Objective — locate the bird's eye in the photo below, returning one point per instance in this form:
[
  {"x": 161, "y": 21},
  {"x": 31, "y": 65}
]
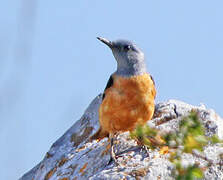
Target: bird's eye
[{"x": 127, "y": 47}]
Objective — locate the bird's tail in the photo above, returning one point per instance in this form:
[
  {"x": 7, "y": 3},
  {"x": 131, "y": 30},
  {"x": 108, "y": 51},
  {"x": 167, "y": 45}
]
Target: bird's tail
[{"x": 100, "y": 134}]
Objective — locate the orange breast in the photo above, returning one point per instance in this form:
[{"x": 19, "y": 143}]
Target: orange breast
[{"x": 128, "y": 102}]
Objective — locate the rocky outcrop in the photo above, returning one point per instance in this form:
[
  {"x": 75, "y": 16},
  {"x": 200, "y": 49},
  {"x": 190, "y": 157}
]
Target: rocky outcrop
[{"x": 73, "y": 157}]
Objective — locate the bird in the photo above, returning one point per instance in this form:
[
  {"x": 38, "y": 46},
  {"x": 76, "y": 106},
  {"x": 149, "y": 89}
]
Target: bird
[{"x": 128, "y": 99}]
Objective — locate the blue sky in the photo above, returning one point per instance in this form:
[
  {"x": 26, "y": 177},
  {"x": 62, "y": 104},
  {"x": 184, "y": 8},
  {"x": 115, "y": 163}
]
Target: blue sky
[{"x": 52, "y": 65}]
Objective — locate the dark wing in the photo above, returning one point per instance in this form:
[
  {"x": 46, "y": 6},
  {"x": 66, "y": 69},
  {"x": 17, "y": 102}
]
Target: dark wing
[
  {"x": 109, "y": 84},
  {"x": 154, "y": 89},
  {"x": 152, "y": 80}
]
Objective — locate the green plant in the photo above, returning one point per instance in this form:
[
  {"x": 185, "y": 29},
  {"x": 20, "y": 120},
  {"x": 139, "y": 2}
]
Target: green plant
[{"x": 189, "y": 137}]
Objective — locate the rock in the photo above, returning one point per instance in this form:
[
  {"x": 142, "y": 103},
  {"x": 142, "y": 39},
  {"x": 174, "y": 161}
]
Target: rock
[{"x": 73, "y": 157}]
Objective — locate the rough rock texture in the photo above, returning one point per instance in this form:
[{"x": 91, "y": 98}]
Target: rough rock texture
[{"x": 72, "y": 157}]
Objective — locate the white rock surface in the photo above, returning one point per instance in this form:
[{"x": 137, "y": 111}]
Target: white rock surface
[{"x": 72, "y": 157}]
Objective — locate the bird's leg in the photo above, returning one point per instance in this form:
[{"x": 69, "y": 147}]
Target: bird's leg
[{"x": 113, "y": 155}]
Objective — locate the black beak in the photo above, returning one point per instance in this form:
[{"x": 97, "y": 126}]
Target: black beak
[{"x": 107, "y": 42}]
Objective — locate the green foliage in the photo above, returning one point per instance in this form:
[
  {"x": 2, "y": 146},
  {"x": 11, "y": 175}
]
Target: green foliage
[
  {"x": 193, "y": 133},
  {"x": 189, "y": 137},
  {"x": 190, "y": 173},
  {"x": 148, "y": 136}
]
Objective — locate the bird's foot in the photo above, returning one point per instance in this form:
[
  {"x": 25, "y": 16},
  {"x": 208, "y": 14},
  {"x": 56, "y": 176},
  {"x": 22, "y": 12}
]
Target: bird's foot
[
  {"x": 114, "y": 157},
  {"x": 143, "y": 148}
]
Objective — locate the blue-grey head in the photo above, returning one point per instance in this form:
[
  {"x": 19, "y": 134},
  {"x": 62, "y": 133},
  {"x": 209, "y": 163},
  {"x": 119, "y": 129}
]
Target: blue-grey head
[{"x": 130, "y": 59}]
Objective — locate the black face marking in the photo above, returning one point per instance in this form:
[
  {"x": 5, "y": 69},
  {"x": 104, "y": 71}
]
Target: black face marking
[{"x": 109, "y": 84}]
